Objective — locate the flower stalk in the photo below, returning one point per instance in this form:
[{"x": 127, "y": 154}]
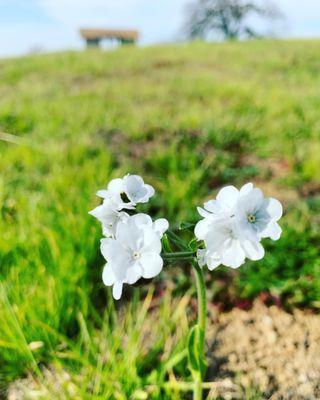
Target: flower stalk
[
  {"x": 198, "y": 346},
  {"x": 179, "y": 255},
  {"x": 202, "y": 309},
  {"x": 202, "y": 314},
  {"x": 195, "y": 347},
  {"x": 136, "y": 246}
]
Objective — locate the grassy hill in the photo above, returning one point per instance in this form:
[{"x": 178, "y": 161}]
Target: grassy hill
[{"x": 188, "y": 118}]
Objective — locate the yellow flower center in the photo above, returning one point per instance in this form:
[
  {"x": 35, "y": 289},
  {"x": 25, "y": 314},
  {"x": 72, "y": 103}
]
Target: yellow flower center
[
  {"x": 251, "y": 218},
  {"x": 136, "y": 255}
]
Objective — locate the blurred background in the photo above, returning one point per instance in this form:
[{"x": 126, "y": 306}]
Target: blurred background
[
  {"x": 192, "y": 95},
  {"x": 50, "y": 25}
]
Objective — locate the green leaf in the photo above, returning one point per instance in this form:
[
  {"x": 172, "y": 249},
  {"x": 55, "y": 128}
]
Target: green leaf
[
  {"x": 186, "y": 225},
  {"x": 166, "y": 244},
  {"x": 176, "y": 240},
  {"x": 197, "y": 363},
  {"x": 193, "y": 348},
  {"x": 193, "y": 244}
]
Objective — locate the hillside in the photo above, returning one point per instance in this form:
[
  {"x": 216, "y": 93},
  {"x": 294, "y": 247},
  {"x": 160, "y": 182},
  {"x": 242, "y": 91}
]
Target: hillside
[{"x": 189, "y": 118}]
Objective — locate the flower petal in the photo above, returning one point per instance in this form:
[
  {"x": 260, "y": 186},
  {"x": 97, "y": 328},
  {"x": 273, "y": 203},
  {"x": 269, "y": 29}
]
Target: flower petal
[
  {"x": 212, "y": 206},
  {"x": 273, "y": 208},
  {"x": 273, "y": 231},
  {"x": 117, "y": 256},
  {"x": 254, "y": 250},
  {"x": 151, "y": 241},
  {"x": 201, "y": 229},
  {"x": 251, "y": 202},
  {"x": 115, "y": 186},
  {"x": 203, "y": 212},
  {"x": 96, "y": 212},
  {"x": 135, "y": 188},
  {"x": 103, "y": 193},
  {"x": 246, "y": 230},
  {"x": 246, "y": 189},
  {"x": 201, "y": 257},
  {"x": 107, "y": 231},
  {"x": 233, "y": 255},
  {"x": 117, "y": 290},
  {"x": 151, "y": 264},
  {"x": 133, "y": 274},
  {"x": 150, "y": 189},
  {"x": 227, "y": 197},
  {"x": 213, "y": 260},
  {"x": 108, "y": 276},
  {"x": 160, "y": 226},
  {"x": 218, "y": 235},
  {"x": 133, "y": 181},
  {"x": 141, "y": 219},
  {"x": 105, "y": 247},
  {"x": 130, "y": 236}
]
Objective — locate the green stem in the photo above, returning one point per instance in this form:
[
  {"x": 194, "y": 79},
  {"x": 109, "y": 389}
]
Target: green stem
[
  {"x": 178, "y": 255},
  {"x": 201, "y": 293},
  {"x": 202, "y": 311},
  {"x": 197, "y": 390}
]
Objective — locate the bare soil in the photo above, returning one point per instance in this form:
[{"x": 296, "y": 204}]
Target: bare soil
[{"x": 265, "y": 348}]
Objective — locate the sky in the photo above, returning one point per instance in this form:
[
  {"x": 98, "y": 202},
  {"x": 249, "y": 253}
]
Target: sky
[{"x": 49, "y": 25}]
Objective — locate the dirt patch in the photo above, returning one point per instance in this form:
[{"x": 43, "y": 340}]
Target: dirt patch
[
  {"x": 57, "y": 384},
  {"x": 261, "y": 353},
  {"x": 265, "y": 348}
]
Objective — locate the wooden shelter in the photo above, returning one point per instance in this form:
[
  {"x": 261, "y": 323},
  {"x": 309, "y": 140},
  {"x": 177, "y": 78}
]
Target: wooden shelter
[{"x": 94, "y": 36}]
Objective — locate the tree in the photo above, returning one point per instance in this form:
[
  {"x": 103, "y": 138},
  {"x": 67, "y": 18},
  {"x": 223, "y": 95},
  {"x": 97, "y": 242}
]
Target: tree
[{"x": 226, "y": 18}]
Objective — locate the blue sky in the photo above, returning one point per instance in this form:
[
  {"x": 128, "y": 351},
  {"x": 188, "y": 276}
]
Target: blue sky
[{"x": 28, "y": 25}]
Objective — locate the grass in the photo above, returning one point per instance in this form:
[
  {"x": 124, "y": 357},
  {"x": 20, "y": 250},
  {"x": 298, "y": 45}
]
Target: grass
[{"x": 189, "y": 118}]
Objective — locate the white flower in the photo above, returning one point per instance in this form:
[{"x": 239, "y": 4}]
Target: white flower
[
  {"x": 133, "y": 252},
  {"x": 109, "y": 216},
  {"x": 126, "y": 192},
  {"x": 224, "y": 245},
  {"x": 211, "y": 259},
  {"x": 257, "y": 216},
  {"x": 234, "y": 224},
  {"x": 223, "y": 206},
  {"x": 220, "y": 210}
]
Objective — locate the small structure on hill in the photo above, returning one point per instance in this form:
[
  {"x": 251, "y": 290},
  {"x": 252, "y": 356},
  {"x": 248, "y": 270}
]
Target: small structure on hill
[{"x": 93, "y": 37}]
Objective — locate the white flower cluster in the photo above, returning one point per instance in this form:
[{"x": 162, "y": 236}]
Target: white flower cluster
[
  {"x": 232, "y": 228},
  {"x": 132, "y": 243},
  {"x": 234, "y": 225}
]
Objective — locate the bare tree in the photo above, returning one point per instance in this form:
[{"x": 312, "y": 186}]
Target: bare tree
[{"x": 226, "y": 18}]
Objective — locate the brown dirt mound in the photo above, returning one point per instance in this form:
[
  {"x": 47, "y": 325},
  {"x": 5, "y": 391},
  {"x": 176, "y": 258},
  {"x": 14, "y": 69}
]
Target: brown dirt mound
[{"x": 266, "y": 348}]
